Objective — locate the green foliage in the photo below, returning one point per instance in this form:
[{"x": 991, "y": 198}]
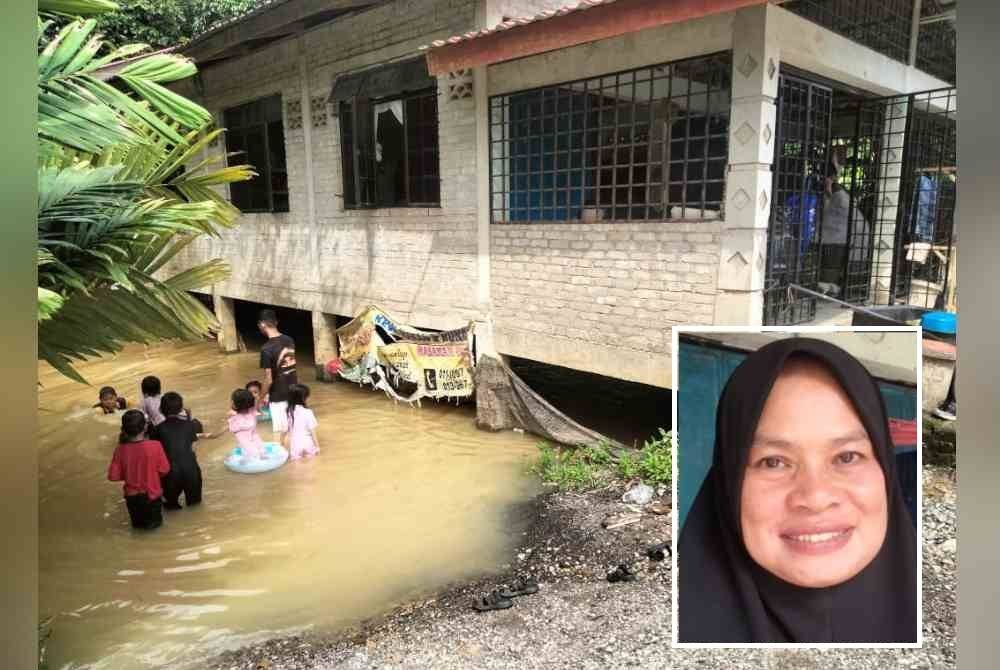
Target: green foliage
[
  {"x": 123, "y": 188},
  {"x": 587, "y": 467},
  {"x": 164, "y": 23},
  {"x": 656, "y": 461},
  {"x": 571, "y": 469}
]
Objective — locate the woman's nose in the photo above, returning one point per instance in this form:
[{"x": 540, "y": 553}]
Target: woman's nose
[{"x": 813, "y": 490}]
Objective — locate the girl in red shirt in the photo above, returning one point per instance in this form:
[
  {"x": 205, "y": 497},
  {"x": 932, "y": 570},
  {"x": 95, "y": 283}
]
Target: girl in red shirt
[{"x": 139, "y": 463}]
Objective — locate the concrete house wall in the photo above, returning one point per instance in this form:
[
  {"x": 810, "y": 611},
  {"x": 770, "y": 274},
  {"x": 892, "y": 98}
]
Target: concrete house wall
[
  {"x": 598, "y": 297},
  {"x": 418, "y": 263}
]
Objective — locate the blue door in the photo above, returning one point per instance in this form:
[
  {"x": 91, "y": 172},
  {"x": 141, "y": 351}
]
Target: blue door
[{"x": 703, "y": 372}]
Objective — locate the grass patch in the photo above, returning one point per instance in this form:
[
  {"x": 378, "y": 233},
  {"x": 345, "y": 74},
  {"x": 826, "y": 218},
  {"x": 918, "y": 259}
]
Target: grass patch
[{"x": 587, "y": 467}]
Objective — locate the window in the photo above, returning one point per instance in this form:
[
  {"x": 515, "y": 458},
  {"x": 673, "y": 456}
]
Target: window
[
  {"x": 255, "y": 130},
  {"x": 389, "y": 136},
  {"x": 647, "y": 144}
]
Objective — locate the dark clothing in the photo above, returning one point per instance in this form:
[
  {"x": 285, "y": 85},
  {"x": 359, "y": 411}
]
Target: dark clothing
[
  {"x": 282, "y": 368},
  {"x": 724, "y": 596},
  {"x": 145, "y": 514},
  {"x": 188, "y": 483},
  {"x": 178, "y": 436}
]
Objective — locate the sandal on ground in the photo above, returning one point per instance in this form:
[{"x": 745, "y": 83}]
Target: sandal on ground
[
  {"x": 521, "y": 587},
  {"x": 621, "y": 574},
  {"x": 658, "y": 552},
  {"x": 493, "y": 601}
]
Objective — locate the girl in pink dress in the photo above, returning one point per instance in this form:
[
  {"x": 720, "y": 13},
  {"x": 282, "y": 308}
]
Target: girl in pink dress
[
  {"x": 300, "y": 440},
  {"x": 243, "y": 424}
]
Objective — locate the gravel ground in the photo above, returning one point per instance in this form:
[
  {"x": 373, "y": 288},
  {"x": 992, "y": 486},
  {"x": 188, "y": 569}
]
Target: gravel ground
[{"x": 579, "y": 620}]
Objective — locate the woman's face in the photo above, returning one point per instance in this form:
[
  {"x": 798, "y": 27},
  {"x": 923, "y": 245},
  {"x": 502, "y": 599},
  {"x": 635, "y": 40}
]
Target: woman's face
[{"x": 813, "y": 509}]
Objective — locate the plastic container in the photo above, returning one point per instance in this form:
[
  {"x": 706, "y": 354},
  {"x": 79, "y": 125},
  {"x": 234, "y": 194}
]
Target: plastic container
[
  {"x": 274, "y": 457},
  {"x": 942, "y": 323}
]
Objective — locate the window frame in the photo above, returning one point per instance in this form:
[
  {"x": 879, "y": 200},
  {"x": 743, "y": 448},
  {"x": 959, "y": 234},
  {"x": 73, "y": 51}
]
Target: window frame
[
  {"x": 350, "y": 152},
  {"x": 502, "y": 143},
  {"x": 265, "y": 172}
]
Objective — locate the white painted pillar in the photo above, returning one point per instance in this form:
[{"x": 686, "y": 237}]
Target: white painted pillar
[
  {"x": 325, "y": 344},
  {"x": 225, "y": 312},
  {"x": 307, "y": 128},
  {"x": 740, "y": 301},
  {"x": 887, "y": 207}
]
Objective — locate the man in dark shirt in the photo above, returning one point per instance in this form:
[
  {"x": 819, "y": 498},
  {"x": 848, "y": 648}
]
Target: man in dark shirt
[
  {"x": 277, "y": 359},
  {"x": 177, "y": 433}
]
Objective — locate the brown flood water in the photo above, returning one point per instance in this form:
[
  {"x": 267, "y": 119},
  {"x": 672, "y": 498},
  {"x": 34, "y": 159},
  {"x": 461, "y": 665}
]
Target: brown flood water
[{"x": 401, "y": 502}]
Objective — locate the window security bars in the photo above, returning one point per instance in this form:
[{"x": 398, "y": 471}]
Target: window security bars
[
  {"x": 646, "y": 144},
  {"x": 256, "y": 131},
  {"x": 793, "y": 246},
  {"x": 389, "y": 151},
  {"x": 882, "y": 25}
]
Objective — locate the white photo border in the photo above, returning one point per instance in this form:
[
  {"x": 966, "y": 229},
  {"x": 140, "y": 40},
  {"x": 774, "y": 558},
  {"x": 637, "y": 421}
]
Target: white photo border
[{"x": 676, "y": 331}]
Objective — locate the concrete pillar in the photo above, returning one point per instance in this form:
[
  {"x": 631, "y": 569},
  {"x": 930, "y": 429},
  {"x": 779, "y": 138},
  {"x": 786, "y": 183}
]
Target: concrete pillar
[
  {"x": 887, "y": 207},
  {"x": 739, "y": 301},
  {"x": 229, "y": 338},
  {"x": 325, "y": 342}
]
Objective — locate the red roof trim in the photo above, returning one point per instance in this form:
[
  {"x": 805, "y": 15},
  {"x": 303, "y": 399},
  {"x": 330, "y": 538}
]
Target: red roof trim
[{"x": 566, "y": 27}]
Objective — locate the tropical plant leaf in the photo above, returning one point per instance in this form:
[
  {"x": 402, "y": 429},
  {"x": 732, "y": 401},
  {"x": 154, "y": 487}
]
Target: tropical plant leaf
[{"x": 77, "y": 7}]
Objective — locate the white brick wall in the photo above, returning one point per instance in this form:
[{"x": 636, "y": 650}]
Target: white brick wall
[
  {"x": 418, "y": 263},
  {"x": 620, "y": 284}
]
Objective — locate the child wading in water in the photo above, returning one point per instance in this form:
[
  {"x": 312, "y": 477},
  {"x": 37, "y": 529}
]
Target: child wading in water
[
  {"x": 255, "y": 388},
  {"x": 300, "y": 440},
  {"x": 139, "y": 462},
  {"x": 243, "y": 424},
  {"x": 151, "y": 397},
  {"x": 177, "y": 433},
  {"x": 108, "y": 402}
]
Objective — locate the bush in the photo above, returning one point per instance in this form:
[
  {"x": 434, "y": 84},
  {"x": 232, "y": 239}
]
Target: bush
[
  {"x": 586, "y": 467},
  {"x": 656, "y": 460},
  {"x": 572, "y": 469}
]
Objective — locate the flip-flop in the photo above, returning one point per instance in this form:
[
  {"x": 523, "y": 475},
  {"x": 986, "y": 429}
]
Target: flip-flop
[
  {"x": 521, "y": 587},
  {"x": 493, "y": 601},
  {"x": 660, "y": 551},
  {"x": 621, "y": 574}
]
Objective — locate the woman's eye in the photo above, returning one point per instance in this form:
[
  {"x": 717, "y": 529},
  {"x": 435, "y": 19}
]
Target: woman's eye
[
  {"x": 770, "y": 463},
  {"x": 848, "y": 457}
]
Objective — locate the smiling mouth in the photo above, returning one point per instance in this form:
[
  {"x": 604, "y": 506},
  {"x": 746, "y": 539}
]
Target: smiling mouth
[{"x": 817, "y": 543}]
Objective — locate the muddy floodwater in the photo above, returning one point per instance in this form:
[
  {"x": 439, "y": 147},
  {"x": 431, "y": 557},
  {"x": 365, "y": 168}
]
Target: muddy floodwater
[{"x": 401, "y": 502}]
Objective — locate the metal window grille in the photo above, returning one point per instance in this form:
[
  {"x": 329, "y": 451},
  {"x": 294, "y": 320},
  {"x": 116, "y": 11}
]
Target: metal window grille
[
  {"x": 926, "y": 209},
  {"x": 256, "y": 133},
  {"x": 416, "y": 182},
  {"x": 897, "y": 160},
  {"x": 936, "y": 43},
  {"x": 882, "y": 25},
  {"x": 802, "y": 142},
  {"x": 644, "y": 144}
]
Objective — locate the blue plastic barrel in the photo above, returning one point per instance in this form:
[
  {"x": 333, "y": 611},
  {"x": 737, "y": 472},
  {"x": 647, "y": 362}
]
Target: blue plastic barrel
[{"x": 943, "y": 323}]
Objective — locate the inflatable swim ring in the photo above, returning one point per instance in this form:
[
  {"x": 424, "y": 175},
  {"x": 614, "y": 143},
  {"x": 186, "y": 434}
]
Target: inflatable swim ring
[
  {"x": 274, "y": 457},
  {"x": 265, "y": 414}
]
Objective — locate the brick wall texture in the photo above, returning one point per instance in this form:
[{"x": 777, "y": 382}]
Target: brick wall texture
[{"x": 618, "y": 285}]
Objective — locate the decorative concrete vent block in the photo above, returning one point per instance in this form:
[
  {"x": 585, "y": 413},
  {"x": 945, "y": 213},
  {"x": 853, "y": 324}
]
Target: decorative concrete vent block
[
  {"x": 460, "y": 84},
  {"x": 293, "y": 115},
  {"x": 317, "y": 110}
]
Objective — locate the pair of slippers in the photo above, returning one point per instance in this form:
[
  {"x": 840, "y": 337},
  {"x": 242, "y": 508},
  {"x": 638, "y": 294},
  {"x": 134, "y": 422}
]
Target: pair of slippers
[
  {"x": 623, "y": 573},
  {"x": 502, "y": 599}
]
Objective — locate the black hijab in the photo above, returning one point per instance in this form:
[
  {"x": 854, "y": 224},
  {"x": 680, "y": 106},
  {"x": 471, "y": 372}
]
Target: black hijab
[{"x": 725, "y": 596}]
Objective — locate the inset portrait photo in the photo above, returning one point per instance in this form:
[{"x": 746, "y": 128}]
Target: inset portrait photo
[{"x": 797, "y": 487}]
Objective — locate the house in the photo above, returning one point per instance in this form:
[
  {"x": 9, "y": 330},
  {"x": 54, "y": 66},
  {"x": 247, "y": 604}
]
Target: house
[{"x": 576, "y": 179}]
